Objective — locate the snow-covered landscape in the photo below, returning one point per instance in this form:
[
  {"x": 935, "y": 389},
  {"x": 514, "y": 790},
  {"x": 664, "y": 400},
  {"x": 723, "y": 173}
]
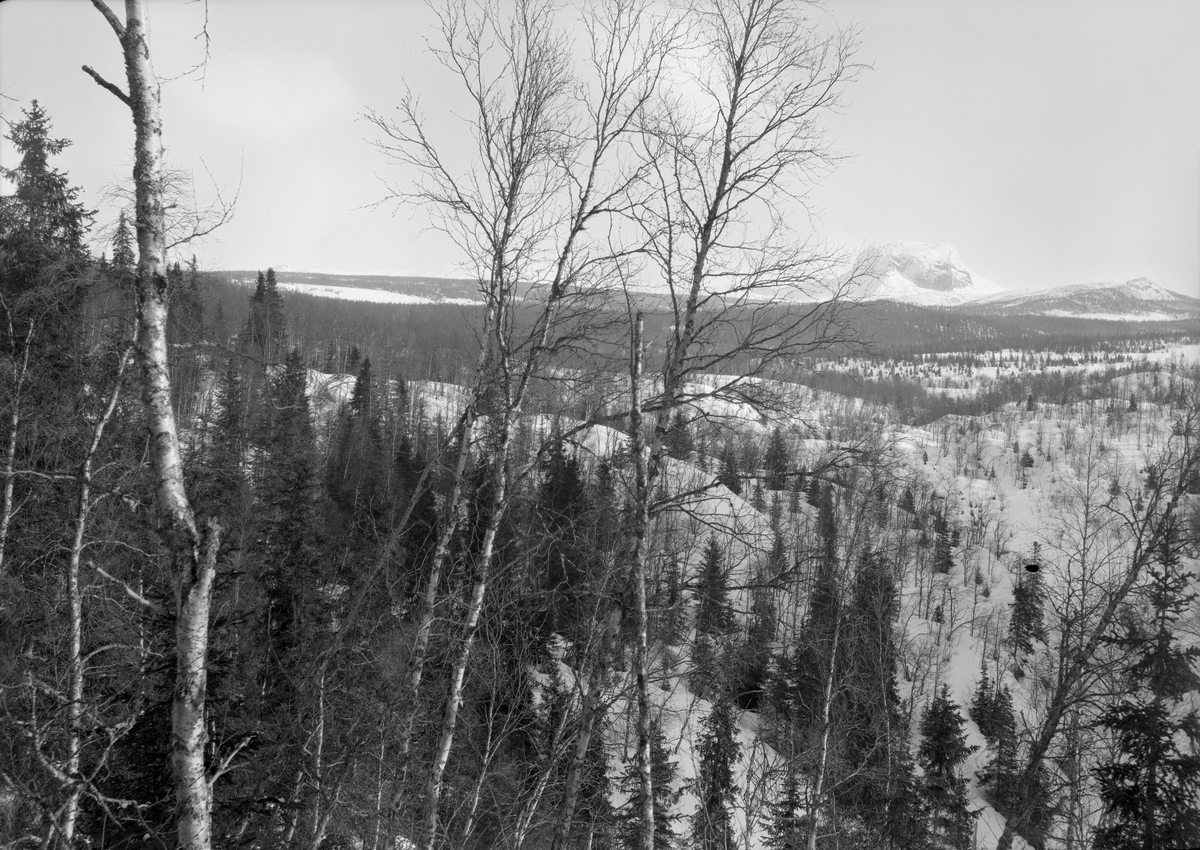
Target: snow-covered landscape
[{"x": 599, "y": 425}]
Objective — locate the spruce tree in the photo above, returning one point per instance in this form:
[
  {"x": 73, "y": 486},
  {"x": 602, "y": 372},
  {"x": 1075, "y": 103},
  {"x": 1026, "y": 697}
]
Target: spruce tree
[
  {"x": 788, "y": 828},
  {"x": 289, "y": 526},
  {"x": 220, "y": 471},
  {"x": 943, "y": 750},
  {"x": 355, "y": 471},
  {"x": 714, "y": 614},
  {"x": 562, "y": 511},
  {"x": 873, "y": 739},
  {"x": 43, "y": 261},
  {"x": 679, "y": 442},
  {"x": 717, "y": 749},
  {"x": 1151, "y": 791},
  {"x": 666, "y": 796},
  {"x": 714, "y": 620},
  {"x": 983, "y": 703},
  {"x": 1026, "y": 624},
  {"x": 124, "y": 259},
  {"x": 729, "y": 474},
  {"x": 776, "y": 461},
  {"x": 1002, "y": 771}
]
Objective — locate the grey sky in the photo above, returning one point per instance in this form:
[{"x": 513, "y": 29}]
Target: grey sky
[{"x": 1050, "y": 143}]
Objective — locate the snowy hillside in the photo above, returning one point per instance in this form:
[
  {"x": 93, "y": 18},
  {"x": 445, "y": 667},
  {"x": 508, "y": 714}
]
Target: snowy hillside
[{"x": 380, "y": 289}]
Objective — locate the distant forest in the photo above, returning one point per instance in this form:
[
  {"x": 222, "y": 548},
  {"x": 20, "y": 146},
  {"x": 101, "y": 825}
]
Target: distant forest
[{"x": 439, "y": 342}]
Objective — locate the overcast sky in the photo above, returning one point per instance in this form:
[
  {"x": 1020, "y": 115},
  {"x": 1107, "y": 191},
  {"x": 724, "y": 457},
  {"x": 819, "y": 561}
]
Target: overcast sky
[{"x": 1050, "y": 143}]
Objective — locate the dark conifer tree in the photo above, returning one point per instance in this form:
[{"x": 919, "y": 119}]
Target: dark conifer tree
[
  {"x": 1026, "y": 623},
  {"x": 43, "y": 261},
  {"x": 124, "y": 261},
  {"x": 1152, "y": 790},
  {"x": 265, "y": 336},
  {"x": 680, "y": 444},
  {"x": 1002, "y": 771},
  {"x": 813, "y": 496},
  {"x": 797, "y": 492},
  {"x": 983, "y": 703},
  {"x": 562, "y": 511},
  {"x": 289, "y": 537},
  {"x": 729, "y": 474},
  {"x": 714, "y": 620},
  {"x": 943, "y": 750},
  {"x": 788, "y": 827},
  {"x": 717, "y": 750},
  {"x": 714, "y": 614},
  {"x": 220, "y": 471},
  {"x": 810, "y": 664},
  {"x": 662, "y": 785},
  {"x": 355, "y": 473},
  {"x": 868, "y": 705},
  {"x": 776, "y": 461}
]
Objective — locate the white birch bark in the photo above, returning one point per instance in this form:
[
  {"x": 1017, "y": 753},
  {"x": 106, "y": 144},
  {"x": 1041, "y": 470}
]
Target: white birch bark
[
  {"x": 192, "y": 551},
  {"x": 75, "y": 659},
  {"x": 646, "y": 467},
  {"x": 7, "y": 509},
  {"x": 818, "y": 790}
]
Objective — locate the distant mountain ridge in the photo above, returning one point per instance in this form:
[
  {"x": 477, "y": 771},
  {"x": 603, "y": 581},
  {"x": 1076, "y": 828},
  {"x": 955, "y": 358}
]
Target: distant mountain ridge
[
  {"x": 933, "y": 275},
  {"x": 1139, "y": 299},
  {"x": 387, "y": 289},
  {"x": 929, "y": 275}
]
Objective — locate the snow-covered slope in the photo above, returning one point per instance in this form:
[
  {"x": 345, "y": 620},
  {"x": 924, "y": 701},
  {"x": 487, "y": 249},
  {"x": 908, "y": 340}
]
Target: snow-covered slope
[
  {"x": 1139, "y": 299},
  {"x": 920, "y": 273},
  {"x": 381, "y": 289}
]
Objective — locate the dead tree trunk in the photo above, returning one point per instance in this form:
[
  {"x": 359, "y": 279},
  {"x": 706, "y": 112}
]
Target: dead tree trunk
[{"x": 192, "y": 551}]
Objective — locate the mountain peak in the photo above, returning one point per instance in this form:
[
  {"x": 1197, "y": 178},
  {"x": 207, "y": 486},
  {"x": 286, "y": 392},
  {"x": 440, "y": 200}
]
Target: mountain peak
[{"x": 924, "y": 273}]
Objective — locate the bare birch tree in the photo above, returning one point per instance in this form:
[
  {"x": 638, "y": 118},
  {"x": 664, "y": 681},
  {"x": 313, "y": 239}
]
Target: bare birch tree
[
  {"x": 549, "y": 165},
  {"x": 191, "y": 548},
  {"x": 727, "y": 155}
]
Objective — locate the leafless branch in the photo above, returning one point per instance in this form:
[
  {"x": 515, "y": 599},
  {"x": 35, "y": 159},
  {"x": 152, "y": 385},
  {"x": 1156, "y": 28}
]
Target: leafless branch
[{"x": 105, "y": 84}]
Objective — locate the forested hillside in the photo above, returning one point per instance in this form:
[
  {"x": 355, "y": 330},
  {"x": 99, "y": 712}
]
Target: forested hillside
[{"x": 729, "y": 567}]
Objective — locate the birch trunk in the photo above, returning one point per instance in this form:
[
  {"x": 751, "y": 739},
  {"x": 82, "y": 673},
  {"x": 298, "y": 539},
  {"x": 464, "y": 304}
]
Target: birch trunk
[
  {"x": 455, "y": 504},
  {"x": 826, "y": 709},
  {"x": 645, "y": 474},
  {"x": 433, "y": 786},
  {"x": 75, "y": 600},
  {"x": 192, "y": 552},
  {"x": 10, "y": 451}
]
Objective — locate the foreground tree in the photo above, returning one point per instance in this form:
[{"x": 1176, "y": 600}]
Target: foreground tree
[
  {"x": 942, "y": 752},
  {"x": 1151, "y": 791},
  {"x": 723, "y": 166},
  {"x": 549, "y": 166},
  {"x": 190, "y": 547}
]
